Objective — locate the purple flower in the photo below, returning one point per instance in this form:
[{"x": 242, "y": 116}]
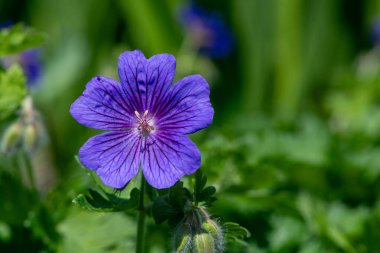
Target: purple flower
[
  {"x": 207, "y": 31},
  {"x": 147, "y": 120},
  {"x": 30, "y": 61}
]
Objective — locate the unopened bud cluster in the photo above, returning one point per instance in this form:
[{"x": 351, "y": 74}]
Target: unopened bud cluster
[
  {"x": 25, "y": 132},
  {"x": 198, "y": 233}
]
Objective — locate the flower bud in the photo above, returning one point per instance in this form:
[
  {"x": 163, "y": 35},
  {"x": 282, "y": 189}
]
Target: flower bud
[
  {"x": 203, "y": 243},
  {"x": 11, "y": 137},
  {"x": 212, "y": 227},
  {"x": 30, "y": 138},
  {"x": 182, "y": 238}
]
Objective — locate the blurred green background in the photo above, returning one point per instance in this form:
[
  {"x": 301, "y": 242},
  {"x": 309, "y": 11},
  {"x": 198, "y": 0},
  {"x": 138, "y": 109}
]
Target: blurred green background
[{"x": 294, "y": 150}]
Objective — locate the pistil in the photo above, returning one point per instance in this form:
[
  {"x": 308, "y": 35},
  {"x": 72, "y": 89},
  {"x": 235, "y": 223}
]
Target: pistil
[{"x": 145, "y": 126}]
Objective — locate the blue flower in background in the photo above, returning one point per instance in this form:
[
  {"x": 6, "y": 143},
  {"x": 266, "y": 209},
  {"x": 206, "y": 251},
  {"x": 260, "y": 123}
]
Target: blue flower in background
[
  {"x": 376, "y": 31},
  {"x": 207, "y": 31},
  {"x": 147, "y": 120},
  {"x": 30, "y": 61}
]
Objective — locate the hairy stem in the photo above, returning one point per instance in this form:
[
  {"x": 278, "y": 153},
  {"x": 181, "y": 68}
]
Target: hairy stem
[{"x": 141, "y": 220}]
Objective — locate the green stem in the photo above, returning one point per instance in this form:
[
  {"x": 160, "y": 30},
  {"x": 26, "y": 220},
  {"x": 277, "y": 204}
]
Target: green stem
[
  {"x": 187, "y": 56},
  {"x": 29, "y": 171},
  {"x": 194, "y": 185},
  {"x": 141, "y": 220}
]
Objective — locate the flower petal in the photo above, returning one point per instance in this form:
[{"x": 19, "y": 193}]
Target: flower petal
[
  {"x": 103, "y": 106},
  {"x": 145, "y": 81},
  {"x": 115, "y": 156},
  {"x": 187, "y": 108},
  {"x": 167, "y": 158}
]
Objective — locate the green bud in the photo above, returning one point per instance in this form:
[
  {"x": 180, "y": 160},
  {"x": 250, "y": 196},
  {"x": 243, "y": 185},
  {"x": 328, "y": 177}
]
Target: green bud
[
  {"x": 11, "y": 137},
  {"x": 203, "y": 243},
  {"x": 30, "y": 138},
  {"x": 182, "y": 238},
  {"x": 212, "y": 227}
]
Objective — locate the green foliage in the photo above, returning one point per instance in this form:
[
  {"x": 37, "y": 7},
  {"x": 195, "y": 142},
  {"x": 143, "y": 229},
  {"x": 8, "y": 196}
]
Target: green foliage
[
  {"x": 94, "y": 201},
  {"x": 314, "y": 184},
  {"x": 16, "y": 205},
  {"x": 186, "y": 211},
  {"x": 5, "y": 232},
  {"x": 42, "y": 225},
  {"x": 18, "y": 38},
  {"x": 203, "y": 193},
  {"x": 96, "y": 232},
  {"x": 234, "y": 233},
  {"x": 170, "y": 205},
  {"x": 308, "y": 183},
  {"x": 107, "y": 201},
  {"x": 13, "y": 90}
]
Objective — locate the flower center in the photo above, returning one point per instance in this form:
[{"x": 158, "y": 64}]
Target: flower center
[{"x": 145, "y": 126}]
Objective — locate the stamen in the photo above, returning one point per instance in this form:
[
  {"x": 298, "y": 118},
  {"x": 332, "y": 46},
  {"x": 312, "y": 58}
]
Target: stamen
[
  {"x": 144, "y": 124},
  {"x": 137, "y": 115}
]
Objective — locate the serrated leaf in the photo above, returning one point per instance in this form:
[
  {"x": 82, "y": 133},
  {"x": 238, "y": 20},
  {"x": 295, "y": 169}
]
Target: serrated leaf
[
  {"x": 234, "y": 233},
  {"x": 207, "y": 194},
  {"x": 107, "y": 190},
  {"x": 200, "y": 181},
  {"x": 13, "y": 90},
  {"x": 170, "y": 205},
  {"x": 18, "y": 38},
  {"x": 201, "y": 192},
  {"x": 94, "y": 201}
]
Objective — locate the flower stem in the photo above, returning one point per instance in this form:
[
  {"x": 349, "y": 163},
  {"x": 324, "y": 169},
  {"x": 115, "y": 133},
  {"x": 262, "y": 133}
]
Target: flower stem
[
  {"x": 29, "y": 171},
  {"x": 187, "y": 56},
  {"x": 141, "y": 220}
]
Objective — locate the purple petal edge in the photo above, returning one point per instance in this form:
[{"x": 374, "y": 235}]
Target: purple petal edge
[
  {"x": 167, "y": 158},
  {"x": 115, "y": 156}
]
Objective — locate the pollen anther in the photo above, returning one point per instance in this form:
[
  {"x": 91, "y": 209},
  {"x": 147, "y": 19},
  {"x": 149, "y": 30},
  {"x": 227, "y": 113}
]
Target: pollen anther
[{"x": 145, "y": 124}]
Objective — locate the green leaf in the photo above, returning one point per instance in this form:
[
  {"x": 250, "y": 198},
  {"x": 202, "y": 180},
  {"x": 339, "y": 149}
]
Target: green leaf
[
  {"x": 16, "y": 200},
  {"x": 107, "y": 190},
  {"x": 83, "y": 231},
  {"x": 200, "y": 181},
  {"x": 162, "y": 210},
  {"x": 94, "y": 201},
  {"x": 18, "y": 38},
  {"x": 13, "y": 90},
  {"x": 234, "y": 233},
  {"x": 207, "y": 195},
  {"x": 314, "y": 212},
  {"x": 287, "y": 232},
  {"x": 170, "y": 205},
  {"x": 43, "y": 226},
  {"x": 201, "y": 192}
]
